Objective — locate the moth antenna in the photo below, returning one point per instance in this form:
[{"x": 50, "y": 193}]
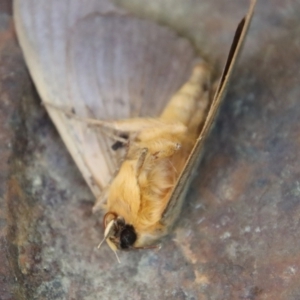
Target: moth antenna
[
  {"x": 117, "y": 257},
  {"x": 107, "y": 232},
  {"x": 105, "y": 219},
  {"x": 100, "y": 244}
]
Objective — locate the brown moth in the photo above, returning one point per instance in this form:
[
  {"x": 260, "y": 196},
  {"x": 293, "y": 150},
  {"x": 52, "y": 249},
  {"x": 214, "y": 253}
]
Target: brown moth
[{"x": 113, "y": 84}]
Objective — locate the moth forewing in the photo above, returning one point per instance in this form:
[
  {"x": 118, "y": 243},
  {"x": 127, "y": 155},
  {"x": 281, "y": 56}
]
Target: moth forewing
[{"x": 174, "y": 206}]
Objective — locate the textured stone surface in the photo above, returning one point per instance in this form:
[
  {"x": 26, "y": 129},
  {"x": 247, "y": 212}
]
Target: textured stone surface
[{"x": 238, "y": 236}]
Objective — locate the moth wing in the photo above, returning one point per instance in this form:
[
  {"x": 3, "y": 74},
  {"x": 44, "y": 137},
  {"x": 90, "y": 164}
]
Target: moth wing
[
  {"x": 174, "y": 205},
  {"x": 99, "y": 62}
]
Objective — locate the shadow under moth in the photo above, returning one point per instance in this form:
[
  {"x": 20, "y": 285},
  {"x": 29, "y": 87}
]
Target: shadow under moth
[{"x": 113, "y": 84}]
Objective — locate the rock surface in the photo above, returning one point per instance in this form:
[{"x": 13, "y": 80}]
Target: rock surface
[{"x": 238, "y": 236}]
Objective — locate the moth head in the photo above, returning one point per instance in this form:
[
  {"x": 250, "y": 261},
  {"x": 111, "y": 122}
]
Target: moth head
[{"x": 118, "y": 234}]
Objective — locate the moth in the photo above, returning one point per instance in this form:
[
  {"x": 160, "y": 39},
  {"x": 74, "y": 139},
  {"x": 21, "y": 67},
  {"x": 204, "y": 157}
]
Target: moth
[{"x": 132, "y": 102}]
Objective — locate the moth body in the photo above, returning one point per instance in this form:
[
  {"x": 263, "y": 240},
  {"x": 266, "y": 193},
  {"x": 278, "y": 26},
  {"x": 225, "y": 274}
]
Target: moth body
[
  {"x": 88, "y": 77},
  {"x": 156, "y": 154}
]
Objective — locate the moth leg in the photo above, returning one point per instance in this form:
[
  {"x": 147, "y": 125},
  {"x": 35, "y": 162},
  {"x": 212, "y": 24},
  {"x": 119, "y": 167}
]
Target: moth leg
[
  {"x": 125, "y": 125},
  {"x": 165, "y": 148},
  {"x": 135, "y": 125},
  {"x": 117, "y": 138},
  {"x": 141, "y": 160},
  {"x": 169, "y": 131},
  {"x": 161, "y": 142},
  {"x": 161, "y": 148}
]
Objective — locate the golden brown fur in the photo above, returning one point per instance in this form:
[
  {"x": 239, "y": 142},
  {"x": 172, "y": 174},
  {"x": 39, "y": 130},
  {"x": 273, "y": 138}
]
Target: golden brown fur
[{"x": 156, "y": 155}]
